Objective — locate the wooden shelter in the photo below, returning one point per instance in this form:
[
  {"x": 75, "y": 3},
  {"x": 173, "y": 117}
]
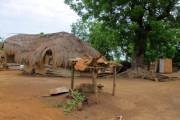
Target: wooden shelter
[
  {"x": 94, "y": 65},
  {"x": 50, "y": 53},
  {"x": 165, "y": 66}
]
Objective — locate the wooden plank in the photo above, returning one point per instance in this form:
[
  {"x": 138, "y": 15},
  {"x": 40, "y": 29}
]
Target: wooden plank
[
  {"x": 59, "y": 90},
  {"x": 80, "y": 65},
  {"x": 97, "y": 67}
]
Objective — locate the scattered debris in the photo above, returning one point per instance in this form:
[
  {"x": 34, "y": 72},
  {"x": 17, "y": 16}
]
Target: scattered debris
[{"x": 13, "y": 66}]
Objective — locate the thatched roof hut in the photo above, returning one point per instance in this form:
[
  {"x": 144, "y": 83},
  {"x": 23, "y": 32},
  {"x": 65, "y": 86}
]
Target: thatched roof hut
[{"x": 62, "y": 46}]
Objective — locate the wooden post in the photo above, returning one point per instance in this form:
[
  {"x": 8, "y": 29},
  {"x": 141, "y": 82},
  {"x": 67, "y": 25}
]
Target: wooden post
[
  {"x": 72, "y": 76},
  {"x": 95, "y": 90},
  {"x": 93, "y": 78},
  {"x": 114, "y": 80}
]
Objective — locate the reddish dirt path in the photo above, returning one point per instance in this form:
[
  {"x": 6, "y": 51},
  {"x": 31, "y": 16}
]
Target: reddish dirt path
[{"x": 21, "y": 99}]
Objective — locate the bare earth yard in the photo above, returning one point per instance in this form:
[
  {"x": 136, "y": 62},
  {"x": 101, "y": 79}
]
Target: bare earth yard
[{"x": 21, "y": 99}]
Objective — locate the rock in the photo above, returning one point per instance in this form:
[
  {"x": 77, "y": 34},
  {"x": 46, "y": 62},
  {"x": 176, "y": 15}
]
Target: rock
[
  {"x": 79, "y": 106},
  {"x": 85, "y": 88}
]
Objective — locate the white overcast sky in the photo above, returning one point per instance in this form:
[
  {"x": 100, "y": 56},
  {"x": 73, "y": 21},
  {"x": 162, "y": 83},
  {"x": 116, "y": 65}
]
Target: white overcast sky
[{"x": 35, "y": 16}]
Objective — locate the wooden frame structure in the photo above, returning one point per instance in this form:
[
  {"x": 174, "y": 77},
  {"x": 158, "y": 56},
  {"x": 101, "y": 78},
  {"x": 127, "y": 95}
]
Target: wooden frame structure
[{"x": 94, "y": 71}]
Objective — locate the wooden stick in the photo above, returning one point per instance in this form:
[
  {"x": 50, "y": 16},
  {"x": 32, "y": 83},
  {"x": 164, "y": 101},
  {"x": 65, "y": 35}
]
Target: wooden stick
[
  {"x": 93, "y": 78},
  {"x": 72, "y": 76},
  {"x": 114, "y": 81},
  {"x": 72, "y": 94},
  {"x": 95, "y": 90}
]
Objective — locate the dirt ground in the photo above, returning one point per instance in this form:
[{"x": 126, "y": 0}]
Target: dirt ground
[{"x": 21, "y": 99}]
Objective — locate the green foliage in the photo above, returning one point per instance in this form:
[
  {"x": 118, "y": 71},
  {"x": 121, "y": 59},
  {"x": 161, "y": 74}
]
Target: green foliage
[
  {"x": 42, "y": 33},
  {"x": 176, "y": 59},
  {"x": 147, "y": 26},
  {"x": 164, "y": 46},
  {"x": 101, "y": 38},
  {"x": 69, "y": 107},
  {"x": 81, "y": 30}
]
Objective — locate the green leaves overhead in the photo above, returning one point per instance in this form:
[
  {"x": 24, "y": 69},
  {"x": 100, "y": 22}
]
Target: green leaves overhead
[{"x": 148, "y": 26}]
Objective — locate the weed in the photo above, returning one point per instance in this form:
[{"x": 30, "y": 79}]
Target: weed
[{"x": 69, "y": 107}]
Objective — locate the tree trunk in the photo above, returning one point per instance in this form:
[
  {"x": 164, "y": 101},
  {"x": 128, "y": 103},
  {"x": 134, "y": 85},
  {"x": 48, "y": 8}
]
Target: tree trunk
[
  {"x": 138, "y": 57},
  {"x": 139, "y": 50}
]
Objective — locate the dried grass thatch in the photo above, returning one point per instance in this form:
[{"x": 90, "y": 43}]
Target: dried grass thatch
[
  {"x": 1, "y": 52},
  {"x": 17, "y": 42},
  {"x": 1, "y": 45},
  {"x": 64, "y": 46}
]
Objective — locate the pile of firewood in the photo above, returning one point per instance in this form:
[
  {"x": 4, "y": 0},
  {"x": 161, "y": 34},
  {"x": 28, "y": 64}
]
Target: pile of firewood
[{"x": 144, "y": 74}]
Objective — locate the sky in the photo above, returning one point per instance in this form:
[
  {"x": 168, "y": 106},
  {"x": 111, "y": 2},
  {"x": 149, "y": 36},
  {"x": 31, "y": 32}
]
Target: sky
[{"x": 35, "y": 16}]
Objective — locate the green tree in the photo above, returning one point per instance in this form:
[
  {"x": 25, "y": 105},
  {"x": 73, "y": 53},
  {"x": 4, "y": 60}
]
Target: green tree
[
  {"x": 100, "y": 37},
  {"x": 176, "y": 59},
  {"x": 81, "y": 30},
  {"x": 42, "y": 33},
  {"x": 163, "y": 46},
  {"x": 136, "y": 20}
]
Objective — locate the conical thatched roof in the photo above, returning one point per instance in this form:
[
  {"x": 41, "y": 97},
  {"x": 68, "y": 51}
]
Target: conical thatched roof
[
  {"x": 17, "y": 42},
  {"x": 64, "y": 46}
]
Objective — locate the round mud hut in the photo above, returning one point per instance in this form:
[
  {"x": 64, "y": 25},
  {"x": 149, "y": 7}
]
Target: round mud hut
[{"x": 49, "y": 54}]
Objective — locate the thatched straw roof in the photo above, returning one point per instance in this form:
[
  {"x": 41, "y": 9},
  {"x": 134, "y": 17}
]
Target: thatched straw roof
[
  {"x": 1, "y": 52},
  {"x": 1, "y": 45},
  {"x": 17, "y": 42},
  {"x": 64, "y": 46}
]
